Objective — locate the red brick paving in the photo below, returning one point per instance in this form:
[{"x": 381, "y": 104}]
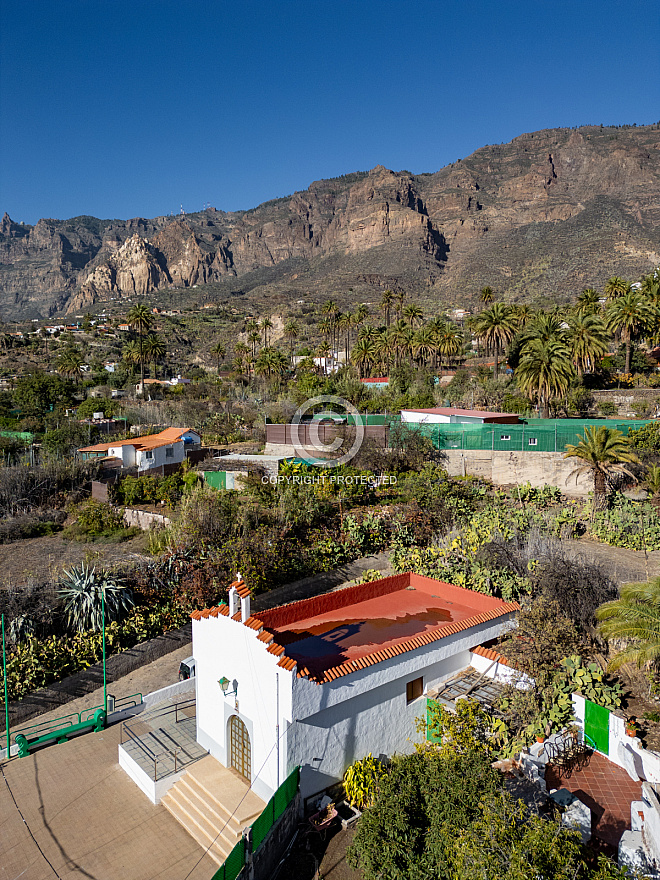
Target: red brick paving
[{"x": 606, "y": 789}]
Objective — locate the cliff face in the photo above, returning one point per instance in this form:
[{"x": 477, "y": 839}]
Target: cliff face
[{"x": 543, "y": 215}]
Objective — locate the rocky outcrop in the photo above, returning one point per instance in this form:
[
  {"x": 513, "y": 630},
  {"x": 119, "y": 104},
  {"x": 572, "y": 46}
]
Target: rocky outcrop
[{"x": 546, "y": 214}]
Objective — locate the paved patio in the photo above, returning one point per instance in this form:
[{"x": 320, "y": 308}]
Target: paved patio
[
  {"x": 89, "y": 820},
  {"x": 606, "y": 789}
]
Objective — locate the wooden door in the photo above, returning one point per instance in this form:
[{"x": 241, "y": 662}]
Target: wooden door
[{"x": 240, "y": 755}]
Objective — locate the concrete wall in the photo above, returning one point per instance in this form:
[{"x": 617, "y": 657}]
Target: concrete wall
[
  {"x": 144, "y": 519},
  {"x": 504, "y": 468}
]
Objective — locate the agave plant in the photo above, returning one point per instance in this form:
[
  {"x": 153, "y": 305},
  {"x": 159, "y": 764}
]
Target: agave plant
[{"x": 83, "y": 590}]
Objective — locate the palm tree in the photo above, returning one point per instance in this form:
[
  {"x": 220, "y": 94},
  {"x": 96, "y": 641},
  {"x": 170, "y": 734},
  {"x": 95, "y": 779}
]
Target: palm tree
[
  {"x": 291, "y": 332},
  {"x": 154, "y": 349},
  {"x": 524, "y": 314},
  {"x": 604, "y": 452},
  {"x": 545, "y": 369},
  {"x": 241, "y": 361},
  {"x": 649, "y": 286},
  {"x": 266, "y": 325},
  {"x": 588, "y": 302},
  {"x": 635, "y": 618},
  {"x": 486, "y": 295},
  {"x": 399, "y": 299},
  {"x": 616, "y": 287},
  {"x": 364, "y": 355},
  {"x": 496, "y": 327},
  {"x": 587, "y": 338},
  {"x": 413, "y": 314},
  {"x": 84, "y": 592},
  {"x": 219, "y": 351},
  {"x": 130, "y": 354},
  {"x": 450, "y": 342},
  {"x": 141, "y": 319},
  {"x": 345, "y": 322},
  {"x": 254, "y": 338},
  {"x": 402, "y": 338},
  {"x": 425, "y": 345},
  {"x": 386, "y": 302},
  {"x": 270, "y": 362},
  {"x": 545, "y": 326},
  {"x": 630, "y": 315},
  {"x": 69, "y": 364}
]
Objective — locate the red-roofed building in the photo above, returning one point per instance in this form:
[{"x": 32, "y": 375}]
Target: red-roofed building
[
  {"x": 439, "y": 415},
  {"x": 324, "y": 681},
  {"x": 144, "y": 453}
]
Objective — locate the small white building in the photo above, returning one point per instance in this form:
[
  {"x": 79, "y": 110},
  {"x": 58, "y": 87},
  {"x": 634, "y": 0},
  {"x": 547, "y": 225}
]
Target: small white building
[
  {"x": 322, "y": 682},
  {"x": 144, "y": 453},
  {"x": 439, "y": 415}
]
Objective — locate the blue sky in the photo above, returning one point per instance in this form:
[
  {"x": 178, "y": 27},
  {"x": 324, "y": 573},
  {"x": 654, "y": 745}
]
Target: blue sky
[{"x": 125, "y": 109}]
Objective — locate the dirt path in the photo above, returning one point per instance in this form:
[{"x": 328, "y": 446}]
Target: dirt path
[
  {"x": 44, "y": 558},
  {"x": 622, "y": 565}
]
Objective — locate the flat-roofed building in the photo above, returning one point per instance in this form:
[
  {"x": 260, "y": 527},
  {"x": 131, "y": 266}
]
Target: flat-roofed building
[{"x": 322, "y": 682}]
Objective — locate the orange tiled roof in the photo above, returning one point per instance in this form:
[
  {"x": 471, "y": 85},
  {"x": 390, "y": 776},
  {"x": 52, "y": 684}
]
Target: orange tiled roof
[
  {"x": 489, "y": 654},
  {"x": 148, "y": 441},
  {"x": 373, "y": 657}
]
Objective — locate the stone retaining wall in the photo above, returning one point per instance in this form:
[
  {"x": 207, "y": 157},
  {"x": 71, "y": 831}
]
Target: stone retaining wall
[
  {"x": 506, "y": 468},
  {"x": 144, "y": 519}
]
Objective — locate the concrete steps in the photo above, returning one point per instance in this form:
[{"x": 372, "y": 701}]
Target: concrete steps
[{"x": 214, "y": 805}]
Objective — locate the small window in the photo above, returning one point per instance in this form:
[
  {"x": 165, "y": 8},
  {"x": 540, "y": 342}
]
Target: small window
[
  {"x": 148, "y": 454},
  {"x": 532, "y": 441},
  {"x": 505, "y": 436},
  {"x": 169, "y": 452},
  {"x": 414, "y": 689}
]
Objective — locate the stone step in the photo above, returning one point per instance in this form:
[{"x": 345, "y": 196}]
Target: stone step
[
  {"x": 189, "y": 789},
  {"x": 217, "y": 847},
  {"x": 204, "y": 814}
]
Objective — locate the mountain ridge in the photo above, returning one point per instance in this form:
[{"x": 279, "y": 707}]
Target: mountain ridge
[{"x": 544, "y": 215}]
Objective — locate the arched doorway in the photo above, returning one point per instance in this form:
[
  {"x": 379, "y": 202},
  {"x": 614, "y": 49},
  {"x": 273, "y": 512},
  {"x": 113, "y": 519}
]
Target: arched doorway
[{"x": 240, "y": 753}]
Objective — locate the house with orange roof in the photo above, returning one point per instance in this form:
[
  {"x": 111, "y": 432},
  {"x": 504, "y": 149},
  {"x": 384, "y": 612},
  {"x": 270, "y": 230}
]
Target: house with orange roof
[
  {"x": 321, "y": 682},
  {"x": 144, "y": 453}
]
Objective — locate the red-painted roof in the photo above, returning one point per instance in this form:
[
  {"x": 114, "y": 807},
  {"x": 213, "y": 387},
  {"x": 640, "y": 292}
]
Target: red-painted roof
[
  {"x": 340, "y": 632},
  {"x": 337, "y": 633}
]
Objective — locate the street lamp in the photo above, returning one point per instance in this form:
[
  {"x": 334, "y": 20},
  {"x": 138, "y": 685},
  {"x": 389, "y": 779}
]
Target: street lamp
[{"x": 224, "y": 685}]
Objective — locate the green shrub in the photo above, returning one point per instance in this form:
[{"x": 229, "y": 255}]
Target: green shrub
[
  {"x": 361, "y": 781},
  {"x": 94, "y": 518},
  {"x": 646, "y": 437},
  {"x": 631, "y": 524}
]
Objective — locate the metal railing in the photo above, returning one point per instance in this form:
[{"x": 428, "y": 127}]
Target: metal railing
[{"x": 163, "y": 755}]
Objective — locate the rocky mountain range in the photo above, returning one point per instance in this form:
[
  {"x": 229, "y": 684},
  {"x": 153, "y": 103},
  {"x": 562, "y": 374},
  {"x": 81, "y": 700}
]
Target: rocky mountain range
[{"x": 543, "y": 216}]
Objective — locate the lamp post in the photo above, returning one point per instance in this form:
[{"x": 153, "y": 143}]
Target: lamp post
[
  {"x": 105, "y": 680},
  {"x": 4, "y": 672}
]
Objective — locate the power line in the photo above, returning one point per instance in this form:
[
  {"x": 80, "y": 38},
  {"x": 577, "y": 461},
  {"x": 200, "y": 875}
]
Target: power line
[{"x": 249, "y": 789}]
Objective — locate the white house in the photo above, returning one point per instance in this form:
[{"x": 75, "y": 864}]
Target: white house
[
  {"x": 322, "y": 682},
  {"x": 144, "y": 453}
]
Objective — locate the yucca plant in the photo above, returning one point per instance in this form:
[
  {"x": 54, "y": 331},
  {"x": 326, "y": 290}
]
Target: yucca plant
[
  {"x": 83, "y": 588},
  {"x": 361, "y": 781}
]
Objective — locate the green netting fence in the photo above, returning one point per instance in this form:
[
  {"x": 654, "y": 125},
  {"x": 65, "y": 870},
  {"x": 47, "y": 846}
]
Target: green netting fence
[
  {"x": 537, "y": 435},
  {"x": 233, "y": 864},
  {"x": 274, "y": 808}
]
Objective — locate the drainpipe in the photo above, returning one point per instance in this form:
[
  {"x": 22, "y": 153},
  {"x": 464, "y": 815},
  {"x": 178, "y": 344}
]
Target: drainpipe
[{"x": 277, "y": 723}]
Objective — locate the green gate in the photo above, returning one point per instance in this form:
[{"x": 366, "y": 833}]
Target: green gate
[{"x": 597, "y": 725}]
